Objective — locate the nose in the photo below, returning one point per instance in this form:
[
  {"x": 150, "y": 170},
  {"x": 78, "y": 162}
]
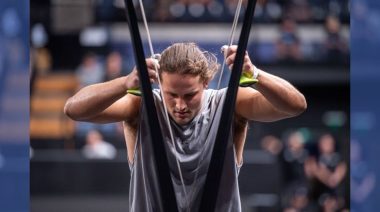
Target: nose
[{"x": 180, "y": 104}]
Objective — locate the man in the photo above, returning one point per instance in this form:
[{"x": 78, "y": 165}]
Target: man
[{"x": 194, "y": 111}]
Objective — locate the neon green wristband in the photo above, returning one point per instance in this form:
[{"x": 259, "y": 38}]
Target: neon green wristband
[
  {"x": 248, "y": 79},
  {"x": 134, "y": 91}
]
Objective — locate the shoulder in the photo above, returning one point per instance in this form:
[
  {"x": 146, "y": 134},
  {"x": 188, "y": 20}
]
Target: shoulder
[{"x": 213, "y": 99}]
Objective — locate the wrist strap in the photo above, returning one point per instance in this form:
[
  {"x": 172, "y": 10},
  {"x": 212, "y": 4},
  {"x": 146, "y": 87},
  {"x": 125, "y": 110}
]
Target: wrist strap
[
  {"x": 255, "y": 72},
  {"x": 135, "y": 92},
  {"x": 248, "y": 78}
]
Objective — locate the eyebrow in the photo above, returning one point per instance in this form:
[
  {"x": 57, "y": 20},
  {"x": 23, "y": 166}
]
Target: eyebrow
[
  {"x": 186, "y": 94},
  {"x": 192, "y": 93}
]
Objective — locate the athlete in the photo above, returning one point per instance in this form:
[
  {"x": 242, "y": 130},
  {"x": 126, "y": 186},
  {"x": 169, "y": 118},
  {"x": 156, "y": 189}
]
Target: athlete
[{"x": 194, "y": 110}]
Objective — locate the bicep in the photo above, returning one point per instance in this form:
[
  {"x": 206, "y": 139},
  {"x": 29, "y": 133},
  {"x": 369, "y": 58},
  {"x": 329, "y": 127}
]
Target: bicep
[
  {"x": 126, "y": 108},
  {"x": 252, "y": 105}
]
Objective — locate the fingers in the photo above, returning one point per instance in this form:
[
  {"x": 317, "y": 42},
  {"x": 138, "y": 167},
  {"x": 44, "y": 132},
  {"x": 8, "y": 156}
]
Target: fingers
[
  {"x": 152, "y": 66},
  {"x": 152, "y": 63},
  {"x": 152, "y": 75},
  {"x": 228, "y": 50},
  {"x": 231, "y": 58},
  {"x": 247, "y": 64},
  {"x": 230, "y": 54}
]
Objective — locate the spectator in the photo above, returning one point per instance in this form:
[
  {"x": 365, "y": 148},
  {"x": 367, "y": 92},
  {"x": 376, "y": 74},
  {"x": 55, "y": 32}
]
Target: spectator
[
  {"x": 335, "y": 45},
  {"x": 271, "y": 144},
  {"x": 292, "y": 160},
  {"x": 288, "y": 45},
  {"x": 97, "y": 148},
  {"x": 329, "y": 203},
  {"x": 114, "y": 66},
  {"x": 90, "y": 70},
  {"x": 299, "y": 201},
  {"x": 42, "y": 61},
  {"x": 162, "y": 12},
  {"x": 299, "y": 10},
  {"x": 295, "y": 155},
  {"x": 328, "y": 171}
]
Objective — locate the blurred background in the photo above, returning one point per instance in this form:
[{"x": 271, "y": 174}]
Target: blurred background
[
  {"x": 296, "y": 164},
  {"x": 365, "y": 105},
  {"x": 14, "y": 105}
]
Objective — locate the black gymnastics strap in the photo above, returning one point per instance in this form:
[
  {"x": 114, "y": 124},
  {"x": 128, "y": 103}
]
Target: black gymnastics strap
[
  {"x": 162, "y": 167},
  {"x": 212, "y": 184}
]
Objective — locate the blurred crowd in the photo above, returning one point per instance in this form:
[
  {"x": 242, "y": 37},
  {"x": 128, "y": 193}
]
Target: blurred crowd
[
  {"x": 315, "y": 170},
  {"x": 224, "y": 10},
  {"x": 334, "y": 49},
  {"x": 290, "y": 44},
  {"x": 95, "y": 69}
]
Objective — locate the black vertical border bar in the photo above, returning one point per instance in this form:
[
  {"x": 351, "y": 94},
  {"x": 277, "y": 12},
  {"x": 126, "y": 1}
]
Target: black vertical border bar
[
  {"x": 212, "y": 184},
  {"x": 163, "y": 172}
]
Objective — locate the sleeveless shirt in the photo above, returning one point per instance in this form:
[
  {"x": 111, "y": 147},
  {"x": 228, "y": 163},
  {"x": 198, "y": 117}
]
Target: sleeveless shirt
[{"x": 193, "y": 145}]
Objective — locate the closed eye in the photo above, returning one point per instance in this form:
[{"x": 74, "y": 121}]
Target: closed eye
[
  {"x": 189, "y": 96},
  {"x": 173, "y": 95}
]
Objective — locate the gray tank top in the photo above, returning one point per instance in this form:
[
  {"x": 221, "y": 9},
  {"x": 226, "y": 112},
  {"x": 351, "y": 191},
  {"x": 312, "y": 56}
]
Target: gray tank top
[{"x": 193, "y": 144}]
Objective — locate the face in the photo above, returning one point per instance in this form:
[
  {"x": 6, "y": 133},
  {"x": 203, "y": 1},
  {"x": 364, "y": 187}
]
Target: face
[
  {"x": 295, "y": 141},
  {"x": 326, "y": 144},
  {"x": 93, "y": 137},
  {"x": 183, "y": 95}
]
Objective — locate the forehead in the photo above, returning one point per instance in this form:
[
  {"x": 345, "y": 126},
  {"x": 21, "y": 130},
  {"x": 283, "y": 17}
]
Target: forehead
[
  {"x": 327, "y": 139},
  {"x": 174, "y": 82}
]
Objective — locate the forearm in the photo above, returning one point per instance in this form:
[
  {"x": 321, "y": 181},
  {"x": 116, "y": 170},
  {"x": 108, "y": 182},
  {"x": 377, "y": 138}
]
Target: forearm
[
  {"x": 94, "y": 99},
  {"x": 331, "y": 178},
  {"x": 338, "y": 175},
  {"x": 281, "y": 94}
]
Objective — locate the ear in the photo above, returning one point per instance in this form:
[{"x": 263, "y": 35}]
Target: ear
[{"x": 205, "y": 84}]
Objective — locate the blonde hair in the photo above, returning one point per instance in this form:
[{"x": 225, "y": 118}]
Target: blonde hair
[{"x": 187, "y": 58}]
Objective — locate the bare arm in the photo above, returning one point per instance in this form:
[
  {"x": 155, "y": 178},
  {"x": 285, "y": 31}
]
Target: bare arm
[
  {"x": 331, "y": 178},
  {"x": 323, "y": 174},
  {"x": 93, "y": 103},
  {"x": 338, "y": 175},
  {"x": 273, "y": 99},
  {"x": 107, "y": 102}
]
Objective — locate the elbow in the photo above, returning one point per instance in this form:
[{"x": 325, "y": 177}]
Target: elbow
[
  {"x": 299, "y": 106},
  {"x": 302, "y": 106},
  {"x": 68, "y": 111},
  {"x": 75, "y": 111}
]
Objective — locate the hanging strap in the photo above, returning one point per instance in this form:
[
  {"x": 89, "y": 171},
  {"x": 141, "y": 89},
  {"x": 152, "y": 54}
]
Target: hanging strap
[
  {"x": 167, "y": 196},
  {"x": 212, "y": 184}
]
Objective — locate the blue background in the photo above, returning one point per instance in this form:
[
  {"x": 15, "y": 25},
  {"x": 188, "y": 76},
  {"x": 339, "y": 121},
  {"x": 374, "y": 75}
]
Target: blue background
[{"x": 14, "y": 105}]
